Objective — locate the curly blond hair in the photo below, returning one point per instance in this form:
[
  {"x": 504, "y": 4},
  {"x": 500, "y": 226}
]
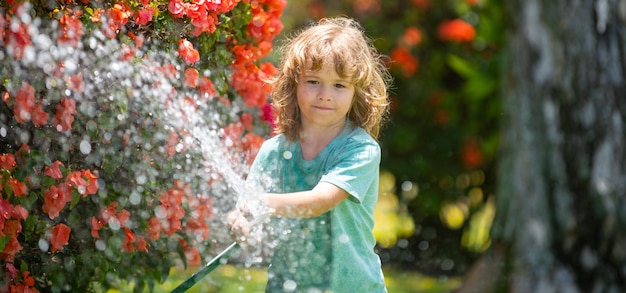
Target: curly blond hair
[{"x": 342, "y": 42}]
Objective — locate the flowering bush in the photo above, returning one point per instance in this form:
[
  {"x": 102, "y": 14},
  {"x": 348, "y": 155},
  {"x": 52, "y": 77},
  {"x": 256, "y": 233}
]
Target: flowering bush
[{"x": 112, "y": 119}]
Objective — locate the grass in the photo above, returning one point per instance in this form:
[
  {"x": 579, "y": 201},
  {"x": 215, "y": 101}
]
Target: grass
[{"x": 230, "y": 278}]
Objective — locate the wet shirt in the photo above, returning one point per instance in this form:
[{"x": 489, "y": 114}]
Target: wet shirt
[{"x": 335, "y": 251}]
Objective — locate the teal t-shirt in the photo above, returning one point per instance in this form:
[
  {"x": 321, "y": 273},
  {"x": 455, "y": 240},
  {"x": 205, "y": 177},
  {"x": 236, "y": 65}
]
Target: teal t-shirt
[{"x": 335, "y": 251}]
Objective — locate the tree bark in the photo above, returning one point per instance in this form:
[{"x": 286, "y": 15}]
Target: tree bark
[{"x": 561, "y": 196}]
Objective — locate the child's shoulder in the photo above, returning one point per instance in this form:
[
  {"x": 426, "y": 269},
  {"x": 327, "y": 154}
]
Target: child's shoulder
[
  {"x": 274, "y": 143},
  {"x": 356, "y": 138},
  {"x": 358, "y": 134}
]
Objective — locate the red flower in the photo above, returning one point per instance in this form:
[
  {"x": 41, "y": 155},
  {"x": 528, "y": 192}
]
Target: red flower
[
  {"x": 248, "y": 80},
  {"x": 38, "y": 116},
  {"x": 141, "y": 244},
  {"x": 265, "y": 23},
  {"x": 204, "y": 24},
  {"x": 268, "y": 114},
  {"x": 211, "y": 4},
  {"x": 71, "y": 28},
  {"x": 96, "y": 225},
  {"x": 97, "y": 14},
  {"x": 24, "y": 103},
  {"x": 197, "y": 227},
  {"x": 7, "y": 161},
  {"x": 53, "y": 170},
  {"x": 191, "y": 253},
  {"x": 154, "y": 229},
  {"x": 28, "y": 280},
  {"x": 411, "y": 37},
  {"x": 19, "y": 188},
  {"x": 123, "y": 217},
  {"x": 59, "y": 236},
  {"x": 144, "y": 16},
  {"x": 206, "y": 88},
  {"x": 176, "y": 8},
  {"x": 129, "y": 238},
  {"x": 20, "y": 213},
  {"x": 119, "y": 15},
  {"x": 187, "y": 52},
  {"x": 84, "y": 181},
  {"x": 55, "y": 199},
  {"x": 6, "y": 212},
  {"x": 76, "y": 180},
  {"x": 17, "y": 39},
  {"x": 226, "y": 5},
  {"x": 247, "y": 120},
  {"x": 171, "y": 212},
  {"x": 10, "y": 249},
  {"x": 471, "y": 154},
  {"x": 76, "y": 83},
  {"x": 191, "y": 77},
  {"x": 404, "y": 60},
  {"x": 193, "y": 256},
  {"x": 92, "y": 187},
  {"x": 456, "y": 31},
  {"x": 64, "y": 118}
]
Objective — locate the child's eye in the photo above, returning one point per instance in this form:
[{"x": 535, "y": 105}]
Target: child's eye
[
  {"x": 312, "y": 81},
  {"x": 341, "y": 86}
]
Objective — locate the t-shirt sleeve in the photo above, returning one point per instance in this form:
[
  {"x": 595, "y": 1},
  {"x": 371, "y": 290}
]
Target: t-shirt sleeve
[{"x": 355, "y": 168}]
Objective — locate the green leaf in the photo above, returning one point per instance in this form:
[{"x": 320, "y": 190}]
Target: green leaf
[
  {"x": 461, "y": 66},
  {"x": 140, "y": 284},
  {"x": 3, "y": 241},
  {"x": 75, "y": 199},
  {"x": 479, "y": 87},
  {"x": 29, "y": 227},
  {"x": 111, "y": 162},
  {"x": 23, "y": 266}
]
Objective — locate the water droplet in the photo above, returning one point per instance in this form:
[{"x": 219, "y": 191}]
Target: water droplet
[
  {"x": 43, "y": 245},
  {"x": 423, "y": 245},
  {"x": 287, "y": 155},
  {"x": 114, "y": 224},
  {"x": 85, "y": 147},
  {"x": 447, "y": 264},
  {"x": 134, "y": 198},
  {"x": 289, "y": 285},
  {"x": 101, "y": 245},
  {"x": 141, "y": 179}
]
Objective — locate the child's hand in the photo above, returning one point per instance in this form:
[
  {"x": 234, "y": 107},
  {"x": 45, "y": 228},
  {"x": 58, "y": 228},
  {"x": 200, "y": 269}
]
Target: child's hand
[{"x": 239, "y": 225}]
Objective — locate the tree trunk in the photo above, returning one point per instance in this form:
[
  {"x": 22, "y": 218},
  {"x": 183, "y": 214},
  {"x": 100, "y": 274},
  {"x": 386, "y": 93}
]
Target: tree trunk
[{"x": 561, "y": 197}]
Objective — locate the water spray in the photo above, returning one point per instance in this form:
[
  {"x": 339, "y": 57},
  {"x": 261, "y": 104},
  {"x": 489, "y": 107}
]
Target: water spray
[{"x": 222, "y": 257}]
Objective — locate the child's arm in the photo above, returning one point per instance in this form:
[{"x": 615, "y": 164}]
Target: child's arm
[{"x": 304, "y": 204}]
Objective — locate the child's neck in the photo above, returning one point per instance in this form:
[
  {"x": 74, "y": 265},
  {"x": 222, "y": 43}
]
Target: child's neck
[{"x": 314, "y": 140}]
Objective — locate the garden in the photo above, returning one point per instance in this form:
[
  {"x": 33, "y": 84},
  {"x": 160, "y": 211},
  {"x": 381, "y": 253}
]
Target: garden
[{"x": 126, "y": 128}]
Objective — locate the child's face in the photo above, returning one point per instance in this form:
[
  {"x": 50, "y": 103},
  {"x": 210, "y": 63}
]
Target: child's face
[{"x": 324, "y": 97}]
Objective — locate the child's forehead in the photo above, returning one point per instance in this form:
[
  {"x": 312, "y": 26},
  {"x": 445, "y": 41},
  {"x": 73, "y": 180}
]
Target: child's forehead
[{"x": 317, "y": 64}]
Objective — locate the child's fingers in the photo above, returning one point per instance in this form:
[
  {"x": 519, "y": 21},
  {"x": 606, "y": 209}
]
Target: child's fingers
[{"x": 239, "y": 225}]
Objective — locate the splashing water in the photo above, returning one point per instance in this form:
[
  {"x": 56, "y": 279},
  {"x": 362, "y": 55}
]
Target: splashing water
[{"x": 135, "y": 122}]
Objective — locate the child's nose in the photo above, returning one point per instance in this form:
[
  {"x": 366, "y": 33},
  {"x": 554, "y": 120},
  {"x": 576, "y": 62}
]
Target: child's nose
[{"x": 324, "y": 94}]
